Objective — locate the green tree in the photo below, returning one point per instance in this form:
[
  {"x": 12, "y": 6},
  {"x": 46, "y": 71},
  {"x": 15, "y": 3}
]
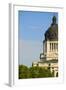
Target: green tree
[
  {"x": 34, "y": 72},
  {"x": 23, "y": 71},
  {"x": 44, "y": 72}
]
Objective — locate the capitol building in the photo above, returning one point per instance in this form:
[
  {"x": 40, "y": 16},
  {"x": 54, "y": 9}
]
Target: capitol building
[{"x": 49, "y": 56}]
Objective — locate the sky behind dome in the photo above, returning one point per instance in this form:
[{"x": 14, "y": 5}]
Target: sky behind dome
[{"x": 32, "y": 26}]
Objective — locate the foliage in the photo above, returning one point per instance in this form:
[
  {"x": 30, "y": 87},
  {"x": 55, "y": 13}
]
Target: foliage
[
  {"x": 33, "y": 72},
  {"x": 23, "y": 71}
]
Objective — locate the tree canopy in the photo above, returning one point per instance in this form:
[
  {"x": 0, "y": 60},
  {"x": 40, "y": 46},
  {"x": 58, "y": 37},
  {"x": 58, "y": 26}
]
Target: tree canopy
[{"x": 33, "y": 72}]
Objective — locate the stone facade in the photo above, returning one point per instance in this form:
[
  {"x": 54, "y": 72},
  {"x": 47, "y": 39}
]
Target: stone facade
[
  {"x": 50, "y": 50},
  {"x": 49, "y": 57}
]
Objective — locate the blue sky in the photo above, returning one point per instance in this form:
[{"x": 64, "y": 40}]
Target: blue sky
[{"x": 32, "y": 26}]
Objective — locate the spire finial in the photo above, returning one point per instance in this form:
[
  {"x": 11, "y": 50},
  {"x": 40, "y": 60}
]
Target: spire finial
[{"x": 54, "y": 20}]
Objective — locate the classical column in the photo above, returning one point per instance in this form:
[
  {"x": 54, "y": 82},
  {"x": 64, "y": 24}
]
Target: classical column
[
  {"x": 50, "y": 46},
  {"x": 54, "y": 46}
]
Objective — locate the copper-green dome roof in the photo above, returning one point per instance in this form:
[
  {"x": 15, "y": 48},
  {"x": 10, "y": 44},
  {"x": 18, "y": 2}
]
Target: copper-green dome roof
[{"x": 52, "y": 33}]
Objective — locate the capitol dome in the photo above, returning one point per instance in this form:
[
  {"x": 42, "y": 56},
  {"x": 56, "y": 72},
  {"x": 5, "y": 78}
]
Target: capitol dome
[{"x": 52, "y": 32}]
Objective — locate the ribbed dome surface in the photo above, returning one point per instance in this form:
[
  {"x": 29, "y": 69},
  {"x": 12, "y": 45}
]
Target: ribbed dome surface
[{"x": 52, "y": 32}]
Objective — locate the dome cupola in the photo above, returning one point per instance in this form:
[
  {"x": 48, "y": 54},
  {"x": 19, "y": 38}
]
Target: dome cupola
[{"x": 52, "y": 32}]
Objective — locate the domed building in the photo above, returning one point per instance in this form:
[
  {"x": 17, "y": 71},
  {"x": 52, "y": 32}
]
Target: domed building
[{"x": 49, "y": 57}]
